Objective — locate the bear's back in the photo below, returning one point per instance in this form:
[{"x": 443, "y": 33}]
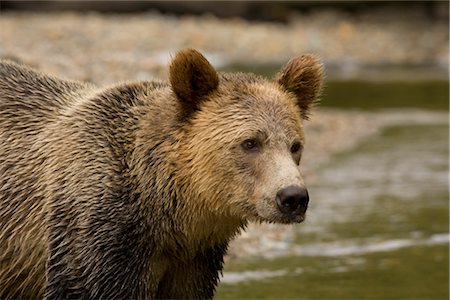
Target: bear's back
[
  {"x": 31, "y": 98},
  {"x": 29, "y": 101},
  {"x": 60, "y": 140}
]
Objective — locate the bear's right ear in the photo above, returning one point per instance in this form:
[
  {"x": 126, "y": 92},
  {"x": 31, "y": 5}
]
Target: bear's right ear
[
  {"x": 302, "y": 76},
  {"x": 192, "y": 77}
]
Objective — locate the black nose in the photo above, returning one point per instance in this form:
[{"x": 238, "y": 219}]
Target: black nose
[{"x": 292, "y": 199}]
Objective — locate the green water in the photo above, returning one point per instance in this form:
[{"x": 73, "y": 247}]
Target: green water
[
  {"x": 381, "y": 95},
  {"x": 377, "y": 229},
  {"x": 410, "y": 273},
  {"x": 404, "y": 87}
]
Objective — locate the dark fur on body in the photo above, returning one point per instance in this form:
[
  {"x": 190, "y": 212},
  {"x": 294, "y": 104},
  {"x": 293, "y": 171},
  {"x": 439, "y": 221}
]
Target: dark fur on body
[{"x": 98, "y": 197}]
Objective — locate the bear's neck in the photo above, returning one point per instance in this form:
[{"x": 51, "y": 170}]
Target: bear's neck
[
  {"x": 172, "y": 212},
  {"x": 202, "y": 223},
  {"x": 206, "y": 229}
]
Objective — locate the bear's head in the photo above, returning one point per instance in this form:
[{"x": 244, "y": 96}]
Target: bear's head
[{"x": 242, "y": 138}]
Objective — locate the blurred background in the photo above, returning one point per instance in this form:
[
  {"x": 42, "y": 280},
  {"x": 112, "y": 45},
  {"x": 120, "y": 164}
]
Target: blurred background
[{"x": 376, "y": 159}]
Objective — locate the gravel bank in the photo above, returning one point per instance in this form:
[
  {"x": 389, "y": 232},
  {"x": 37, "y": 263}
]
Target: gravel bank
[{"x": 109, "y": 48}]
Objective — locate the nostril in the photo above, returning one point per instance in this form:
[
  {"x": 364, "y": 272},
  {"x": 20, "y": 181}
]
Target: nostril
[
  {"x": 291, "y": 202},
  {"x": 291, "y": 198}
]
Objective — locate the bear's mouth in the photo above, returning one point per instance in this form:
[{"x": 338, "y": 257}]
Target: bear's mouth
[
  {"x": 290, "y": 219},
  {"x": 289, "y": 215},
  {"x": 272, "y": 213},
  {"x": 282, "y": 219}
]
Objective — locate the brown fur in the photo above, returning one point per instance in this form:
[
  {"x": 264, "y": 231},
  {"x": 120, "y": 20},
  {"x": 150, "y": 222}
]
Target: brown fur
[
  {"x": 134, "y": 191},
  {"x": 192, "y": 77}
]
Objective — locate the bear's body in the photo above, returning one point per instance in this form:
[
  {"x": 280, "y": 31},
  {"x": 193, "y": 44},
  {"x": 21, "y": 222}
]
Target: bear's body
[{"x": 126, "y": 192}]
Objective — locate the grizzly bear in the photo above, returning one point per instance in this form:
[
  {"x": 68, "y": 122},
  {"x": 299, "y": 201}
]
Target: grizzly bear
[{"x": 134, "y": 191}]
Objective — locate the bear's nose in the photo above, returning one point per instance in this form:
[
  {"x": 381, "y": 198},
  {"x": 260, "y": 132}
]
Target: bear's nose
[{"x": 292, "y": 199}]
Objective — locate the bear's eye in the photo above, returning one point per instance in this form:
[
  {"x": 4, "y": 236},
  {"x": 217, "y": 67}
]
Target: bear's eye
[
  {"x": 250, "y": 145},
  {"x": 296, "y": 146}
]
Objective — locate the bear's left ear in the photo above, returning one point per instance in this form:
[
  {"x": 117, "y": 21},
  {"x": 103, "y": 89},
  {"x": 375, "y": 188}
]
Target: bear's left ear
[
  {"x": 302, "y": 76},
  {"x": 192, "y": 77}
]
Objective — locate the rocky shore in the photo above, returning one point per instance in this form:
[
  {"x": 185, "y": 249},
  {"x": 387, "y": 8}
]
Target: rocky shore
[{"x": 104, "y": 48}]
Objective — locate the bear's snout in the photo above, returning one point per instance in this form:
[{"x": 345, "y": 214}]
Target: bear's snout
[{"x": 292, "y": 200}]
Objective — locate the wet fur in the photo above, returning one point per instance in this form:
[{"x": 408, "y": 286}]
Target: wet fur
[{"x": 103, "y": 193}]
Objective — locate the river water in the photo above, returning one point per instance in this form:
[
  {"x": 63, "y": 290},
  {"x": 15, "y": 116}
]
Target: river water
[{"x": 378, "y": 227}]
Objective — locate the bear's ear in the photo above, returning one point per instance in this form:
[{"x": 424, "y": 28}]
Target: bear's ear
[
  {"x": 302, "y": 76},
  {"x": 192, "y": 77}
]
